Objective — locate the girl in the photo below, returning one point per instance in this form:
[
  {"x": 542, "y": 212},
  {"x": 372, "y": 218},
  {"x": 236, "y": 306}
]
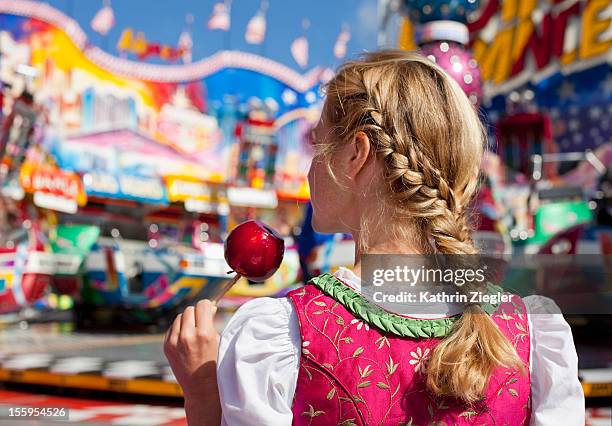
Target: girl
[{"x": 398, "y": 150}]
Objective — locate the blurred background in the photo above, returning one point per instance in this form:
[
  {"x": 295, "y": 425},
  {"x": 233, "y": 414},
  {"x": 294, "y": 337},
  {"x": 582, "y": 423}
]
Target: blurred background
[{"x": 134, "y": 135}]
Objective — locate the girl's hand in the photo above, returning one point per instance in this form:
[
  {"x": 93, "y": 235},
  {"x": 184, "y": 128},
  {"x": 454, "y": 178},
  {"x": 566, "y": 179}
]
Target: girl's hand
[{"x": 191, "y": 346}]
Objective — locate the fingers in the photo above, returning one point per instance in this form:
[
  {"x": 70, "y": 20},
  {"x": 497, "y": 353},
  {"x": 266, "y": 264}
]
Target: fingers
[
  {"x": 205, "y": 313},
  {"x": 174, "y": 332},
  {"x": 188, "y": 323},
  {"x": 193, "y": 325}
]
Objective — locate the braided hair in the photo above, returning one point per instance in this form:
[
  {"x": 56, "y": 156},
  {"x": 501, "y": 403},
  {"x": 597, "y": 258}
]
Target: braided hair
[{"x": 430, "y": 140}]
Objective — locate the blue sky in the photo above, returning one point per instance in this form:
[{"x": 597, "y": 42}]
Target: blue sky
[{"x": 163, "y": 20}]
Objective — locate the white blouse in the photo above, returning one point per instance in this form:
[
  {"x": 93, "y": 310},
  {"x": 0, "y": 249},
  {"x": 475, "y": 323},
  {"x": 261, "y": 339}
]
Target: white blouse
[{"x": 260, "y": 350}]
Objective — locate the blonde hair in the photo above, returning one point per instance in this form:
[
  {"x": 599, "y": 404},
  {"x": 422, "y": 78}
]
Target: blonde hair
[{"x": 427, "y": 134}]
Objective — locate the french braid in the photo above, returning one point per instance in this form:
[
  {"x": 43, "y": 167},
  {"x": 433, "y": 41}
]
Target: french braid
[{"x": 421, "y": 189}]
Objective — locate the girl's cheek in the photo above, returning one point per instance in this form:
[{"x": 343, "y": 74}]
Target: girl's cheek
[{"x": 310, "y": 176}]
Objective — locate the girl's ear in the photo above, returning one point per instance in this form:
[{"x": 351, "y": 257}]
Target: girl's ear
[{"x": 358, "y": 154}]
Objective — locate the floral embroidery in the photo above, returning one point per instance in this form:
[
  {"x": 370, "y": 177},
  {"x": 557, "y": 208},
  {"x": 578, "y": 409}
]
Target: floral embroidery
[
  {"x": 419, "y": 359},
  {"x": 391, "y": 367},
  {"x": 382, "y": 340},
  {"x": 510, "y": 380},
  {"x": 468, "y": 414},
  {"x": 356, "y": 378},
  {"x": 522, "y": 335},
  {"x": 312, "y": 412},
  {"x": 360, "y": 324},
  {"x": 366, "y": 371}
]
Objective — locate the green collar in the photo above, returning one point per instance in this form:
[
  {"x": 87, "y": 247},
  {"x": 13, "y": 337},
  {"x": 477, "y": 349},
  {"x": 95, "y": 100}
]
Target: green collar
[{"x": 385, "y": 320}]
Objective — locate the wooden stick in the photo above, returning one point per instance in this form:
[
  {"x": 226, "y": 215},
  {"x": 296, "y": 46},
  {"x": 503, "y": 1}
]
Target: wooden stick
[{"x": 225, "y": 287}]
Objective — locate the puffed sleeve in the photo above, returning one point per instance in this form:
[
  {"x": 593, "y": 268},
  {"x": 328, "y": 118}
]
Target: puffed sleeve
[
  {"x": 557, "y": 396},
  {"x": 258, "y": 363}
]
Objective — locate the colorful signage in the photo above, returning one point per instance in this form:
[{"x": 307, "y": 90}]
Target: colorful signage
[
  {"x": 519, "y": 41},
  {"x": 252, "y": 197},
  {"x": 555, "y": 56},
  {"x": 52, "y": 187},
  {"x": 181, "y": 189},
  {"x": 131, "y": 187},
  {"x": 198, "y": 196}
]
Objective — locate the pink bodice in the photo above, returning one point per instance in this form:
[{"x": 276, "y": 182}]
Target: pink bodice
[{"x": 353, "y": 373}]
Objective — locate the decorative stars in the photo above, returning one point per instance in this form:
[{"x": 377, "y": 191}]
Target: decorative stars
[
  {"x": 574, "y": 125},
  {"x": 567, "y": 91},
  {"x": 554, "y": 112},
  {"x": 581, "y": 126},
  {"x": 595, "y": 112}
]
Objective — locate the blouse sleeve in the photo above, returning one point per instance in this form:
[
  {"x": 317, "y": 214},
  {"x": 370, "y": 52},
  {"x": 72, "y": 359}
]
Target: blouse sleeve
[
  {"x": 557, "y": 396},
  {"x": 258, "y": 363}
]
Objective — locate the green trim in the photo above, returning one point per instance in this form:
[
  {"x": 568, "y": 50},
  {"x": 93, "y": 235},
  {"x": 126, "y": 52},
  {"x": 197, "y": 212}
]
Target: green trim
[{"x": 385, "y": 320}]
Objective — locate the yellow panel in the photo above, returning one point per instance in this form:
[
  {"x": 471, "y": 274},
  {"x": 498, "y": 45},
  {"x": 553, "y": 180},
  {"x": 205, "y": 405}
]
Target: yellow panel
[
  {"x": 86, "y": 381},
  {"x": 4, "y": 375},
  {"x": 93, "y": 382},
  {"x": 592, "y": 390},
  {"x": 406, "y": 35},
  {"x": 35, "y": 377},
  {"x": 154, "y": 387}
]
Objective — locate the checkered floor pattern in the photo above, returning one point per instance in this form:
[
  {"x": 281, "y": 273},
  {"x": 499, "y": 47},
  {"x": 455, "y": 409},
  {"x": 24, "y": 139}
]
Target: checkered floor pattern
[
  {"x": 94, "y": 412},
  {"x": 121, "y": 369}
]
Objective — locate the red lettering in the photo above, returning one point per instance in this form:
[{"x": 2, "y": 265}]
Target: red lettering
[
  {"x": 540, "y": 45},
  {"x": 560, "y": 27}
]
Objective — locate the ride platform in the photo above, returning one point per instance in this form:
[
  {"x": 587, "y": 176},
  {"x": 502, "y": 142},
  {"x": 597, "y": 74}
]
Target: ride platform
[{"x": 56, "y": 355}]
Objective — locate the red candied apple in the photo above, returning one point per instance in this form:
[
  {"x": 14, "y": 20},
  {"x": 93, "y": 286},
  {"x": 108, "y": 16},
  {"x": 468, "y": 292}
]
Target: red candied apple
[{"x": 254, "y": 250}]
